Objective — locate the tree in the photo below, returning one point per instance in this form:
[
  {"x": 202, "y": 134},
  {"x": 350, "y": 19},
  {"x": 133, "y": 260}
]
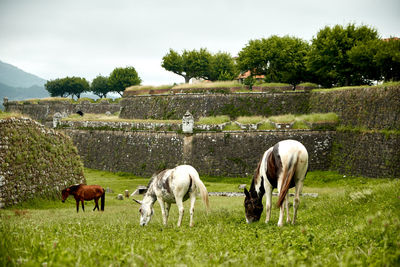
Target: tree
[
  {"x": 100, "y": 86},
  {"x": 280, "y": 59},
  {"x": 387, "y": 59},
  {"x": 55, "y": 88},
  {"x": 362, "y": 58},
  {"x": 121, "y": 78},
  {"x": 196, "y": 64},
  {"x": 329, "y": 60},
  {"x": 76, "y": 86},
  {"x": 191, "y": 64},
  {"x": 174, "y": 62},
  {"x": 222, "y": 67},
  {"x": 68, "y": 86}
]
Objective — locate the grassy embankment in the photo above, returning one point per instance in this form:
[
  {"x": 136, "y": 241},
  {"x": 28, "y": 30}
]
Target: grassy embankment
[{"x": 353, "y": 221}]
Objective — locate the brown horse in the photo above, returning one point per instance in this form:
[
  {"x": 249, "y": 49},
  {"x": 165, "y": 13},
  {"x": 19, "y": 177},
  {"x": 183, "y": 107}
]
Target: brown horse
[{"x": 83, "y": 192}]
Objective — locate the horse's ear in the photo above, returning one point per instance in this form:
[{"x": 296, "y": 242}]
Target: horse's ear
[
  {"x": 246, "y": 193},
  {"x": 137, "y": 201}
]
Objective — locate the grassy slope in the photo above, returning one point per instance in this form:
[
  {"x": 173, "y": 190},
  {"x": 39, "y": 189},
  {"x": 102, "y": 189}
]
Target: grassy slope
[{"x": 354, "y": 221}]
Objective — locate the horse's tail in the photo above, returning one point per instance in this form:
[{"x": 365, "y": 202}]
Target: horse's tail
[
  {"x": 103, "y": 199},
  {"x": 288, "y": 174},
  {"x": 202, "y": 189}
]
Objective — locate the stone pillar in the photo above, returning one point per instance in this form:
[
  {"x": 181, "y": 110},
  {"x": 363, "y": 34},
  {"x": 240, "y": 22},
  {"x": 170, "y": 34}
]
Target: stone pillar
[
  {"x": 187, "y": 149},
  {"x": 187, "y": 123},
  {"x": 5, "y": 103},
  {"x": 56, "y": 119}
]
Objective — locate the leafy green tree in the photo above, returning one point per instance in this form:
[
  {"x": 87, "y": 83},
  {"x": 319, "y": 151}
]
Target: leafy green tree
[
  {"x": 75, "y": 86},
  {"x": 55, "y": 88},
  {"x": 173, "y": 62},
  {"x": 387, "y": 59},
  {"x": 68, "y": 86},
  {"x": 254, "y": 57},
  {"x": 329, "y": 59},
  {"x": 222, "y": 67},
  {"x": 280, "y": 59},
  {"x": 100, "y": 86},
  {"x": 362, "y": 59},
  {"x": 200, "y": 64},
  {"x": 121, "y": 78},
  {"x": 196, "y": 64}
]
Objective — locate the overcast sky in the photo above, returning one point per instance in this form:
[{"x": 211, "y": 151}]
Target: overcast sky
[{"x": 85, "y": 38}]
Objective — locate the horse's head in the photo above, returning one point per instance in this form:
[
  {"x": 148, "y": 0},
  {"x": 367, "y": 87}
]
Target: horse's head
[
  {"x": 65, "y": 194},
  {"x": 253, "y": 206},
  {"x": 146, "y": 211}
]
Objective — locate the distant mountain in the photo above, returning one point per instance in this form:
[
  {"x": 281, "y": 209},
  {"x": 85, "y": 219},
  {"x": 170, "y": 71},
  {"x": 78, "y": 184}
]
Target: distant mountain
[
  {"x": 17, "y": 84},
  {"x": 15, "y": 77}
]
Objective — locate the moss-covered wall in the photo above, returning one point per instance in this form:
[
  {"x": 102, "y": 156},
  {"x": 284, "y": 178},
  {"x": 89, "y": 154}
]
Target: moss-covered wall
[
  {"x": 369, "y": 107},
  {"x": 44, "y": 110},
  {"x": 370, "y": 154},
  {"x": 234, "y": 105},
  {"x": 35, "y": 161},
  {"x": 218, "y": 153},
  {"x": 141, "y": 153}
]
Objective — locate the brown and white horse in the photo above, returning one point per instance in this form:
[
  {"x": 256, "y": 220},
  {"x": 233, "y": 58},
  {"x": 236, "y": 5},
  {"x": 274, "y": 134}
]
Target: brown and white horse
[
  {"x": 282, "y": 166},
  {"x": 172, "y": 186}
]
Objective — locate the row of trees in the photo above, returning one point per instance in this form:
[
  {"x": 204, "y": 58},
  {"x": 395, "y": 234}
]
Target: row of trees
[
  {"x": 119, "y": 79},
  {"x": 337, "y": 56}
]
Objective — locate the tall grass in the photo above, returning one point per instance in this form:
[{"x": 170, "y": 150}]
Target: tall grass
[
  {"x": 148, "y": 87},
  {"x": 319, "y": 117},
  {"x": 218, "y": 84},
  {"x": 287, "y": 118},
  {"x": 353, "y": 222},
  {"x": 213, "y": 119},
  {"x": 250, "y": 119}
]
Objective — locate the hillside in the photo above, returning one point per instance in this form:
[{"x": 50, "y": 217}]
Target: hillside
[
  {"x": 15, "y": 77},
  {"x": 17, "y": 84}
]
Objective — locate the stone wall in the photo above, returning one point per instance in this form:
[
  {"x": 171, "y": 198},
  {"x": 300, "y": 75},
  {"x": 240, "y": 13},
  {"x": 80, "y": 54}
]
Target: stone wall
[
  {"x": 369, "y": 154},
  {"x": 35, "y": 161},
  {"x": 141, "y": 153},
  {"x": 369, "y": 107},
  {"x": 234, "y": 105},
  {"x": 43, "y": 110},
  {"x": 218, "y": 153}
]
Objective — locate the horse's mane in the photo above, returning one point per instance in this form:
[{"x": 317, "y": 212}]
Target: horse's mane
[
  {"x": 255, "y": 176},
  {"x": 74, "y": 188}
]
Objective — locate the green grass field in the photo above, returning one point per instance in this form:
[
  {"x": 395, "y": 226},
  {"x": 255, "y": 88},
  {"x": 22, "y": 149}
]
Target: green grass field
[{"x": 353, "y": 221}]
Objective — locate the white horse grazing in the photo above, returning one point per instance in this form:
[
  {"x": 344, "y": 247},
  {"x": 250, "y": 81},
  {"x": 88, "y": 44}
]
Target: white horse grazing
[
  {"x": 282, "y": 166},
  {"x": 172, "y": 186}
]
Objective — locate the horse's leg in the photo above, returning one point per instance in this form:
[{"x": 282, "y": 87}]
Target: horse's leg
[
  {"x": 192, "y": 201},
  {"x": 167, "y": 207},
  {"x": 286, "y": 202},
  {"x": 268, "y": 198},
  {"x": 296, "y": 201},
  {"x": 162, "y": 206},
  {"x": 282, "y": 207},
  {"x": 96, "y": 204},
  {"x": 77, "y": 205},
  {"x": 83, "y": 205},
  {"x": 180, "y": 209}
]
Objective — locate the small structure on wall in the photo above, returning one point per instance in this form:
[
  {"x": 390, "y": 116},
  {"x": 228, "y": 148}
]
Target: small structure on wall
[{"x": 187, "y": 122}]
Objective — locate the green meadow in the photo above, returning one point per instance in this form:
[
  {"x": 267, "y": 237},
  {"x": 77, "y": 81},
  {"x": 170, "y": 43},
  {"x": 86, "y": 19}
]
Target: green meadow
[{"x": 354, "y": 221}]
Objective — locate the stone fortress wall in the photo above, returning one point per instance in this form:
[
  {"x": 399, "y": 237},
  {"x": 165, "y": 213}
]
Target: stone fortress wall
[{"x": 368, "y": 145}]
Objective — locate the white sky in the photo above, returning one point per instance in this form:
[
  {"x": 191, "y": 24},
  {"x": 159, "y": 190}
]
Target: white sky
[{"x": 54, "y": 38}]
